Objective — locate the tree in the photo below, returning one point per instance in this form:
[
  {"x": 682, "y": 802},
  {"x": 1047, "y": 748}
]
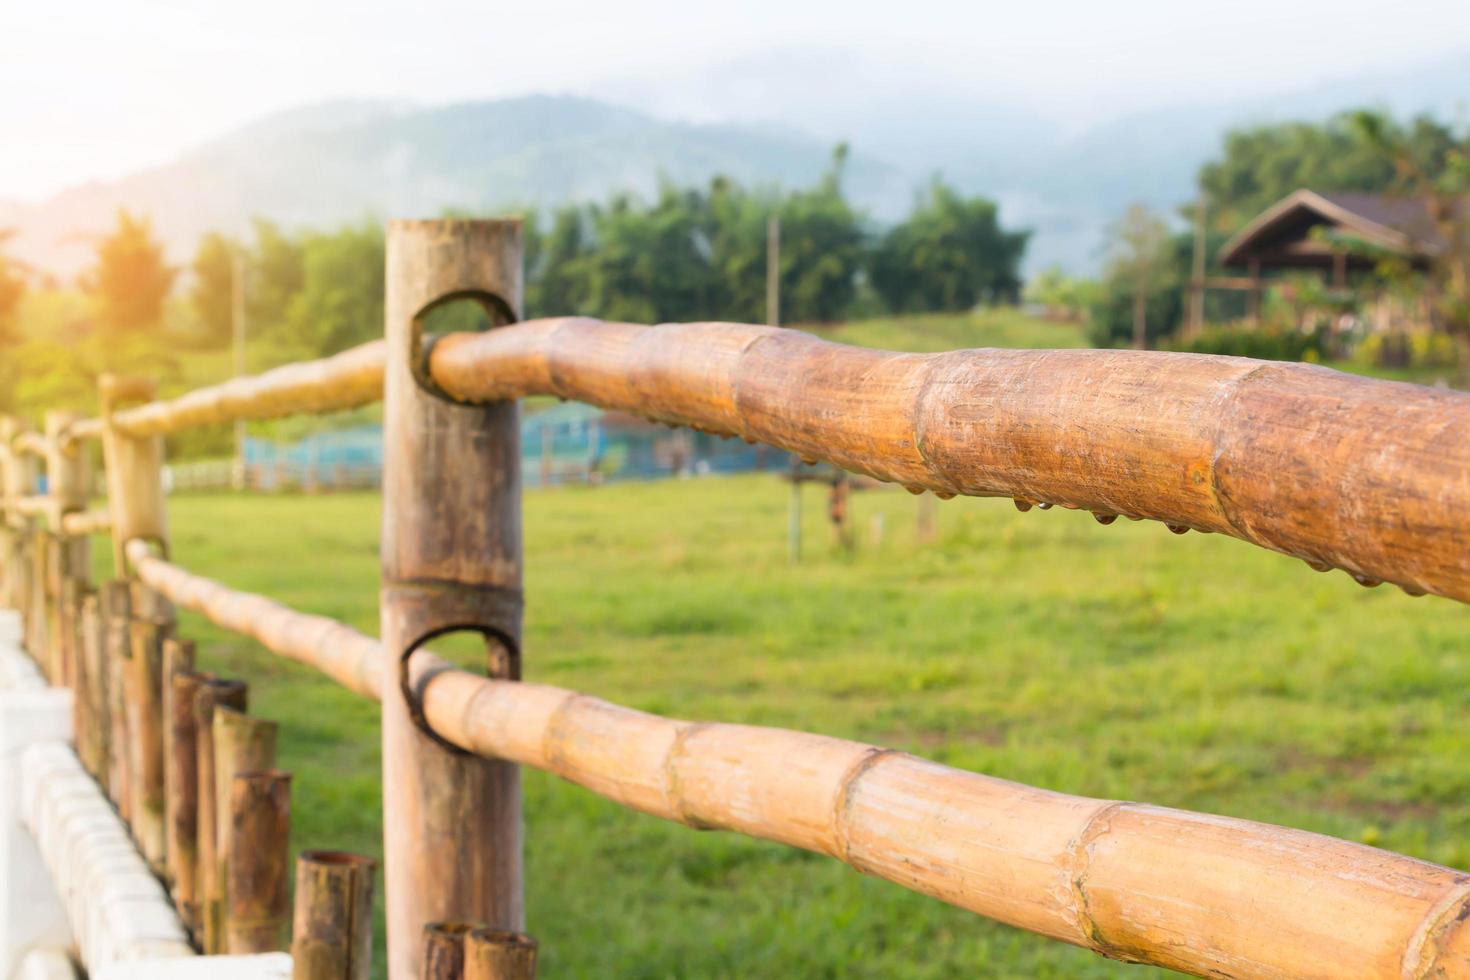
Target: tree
[
  {"x": 12, "y": 289},
  {"x": 1437, "y": 173},
  {"x": 130, "y": 279},
  {"x": 212, "y": 293},
  {"x": 340, "y": 303},
  {"x": 821, "y": 249},
  {"x": 1262, "y": 164},
  {"x": 275, "y": 275},
  {"x": 1139, "y": 262},
  {"x": 950, "y": 254}
]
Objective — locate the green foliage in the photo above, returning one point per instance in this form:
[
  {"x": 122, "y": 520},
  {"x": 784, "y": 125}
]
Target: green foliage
[
  {"x": 274, "y": 276},
  {"x": 1140, "y": 298},
  {"x": 1270, "y": 343},
  {"x": 211, "y": 295},
  {"x": 950, "y": 254},
  {"x": 1262, "y": 164},
  {"x": 130, "y": 279},
  {"x": 1416, "y": 349},
  {"x": 340, "y": 302},
  {"x": 12, "y": 289}
]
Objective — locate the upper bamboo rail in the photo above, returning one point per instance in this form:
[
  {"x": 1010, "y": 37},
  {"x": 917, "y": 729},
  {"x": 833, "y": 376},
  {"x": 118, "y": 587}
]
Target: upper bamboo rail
[
  {"x": 1365, "y": 475},
  {"x": 346, "y": 380},
  {"x": 1208, "y": 895},
  {"x": 79, "y": 523}
]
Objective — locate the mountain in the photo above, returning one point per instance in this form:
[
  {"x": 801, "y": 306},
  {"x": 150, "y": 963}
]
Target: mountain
[
  {"x": 770, "y": 118},
  {"x": 325, "y": 164}
]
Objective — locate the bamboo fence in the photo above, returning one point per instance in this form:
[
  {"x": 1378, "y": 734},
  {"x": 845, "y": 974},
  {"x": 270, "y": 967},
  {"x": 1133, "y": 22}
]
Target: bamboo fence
[{"x": 1368, "y": 476}]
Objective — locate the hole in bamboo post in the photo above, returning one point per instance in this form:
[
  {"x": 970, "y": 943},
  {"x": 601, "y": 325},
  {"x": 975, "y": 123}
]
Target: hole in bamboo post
[
  {"x": 477, "y": 649},
  {"x": 444, "y": 950},
  {"x": 332, "y": 929},
  {"x": 212, "y": 693},
  {"x": 462, "y": 312},
  {"x": 498, "y": 954},
  {"x": 259, "y": 840}
]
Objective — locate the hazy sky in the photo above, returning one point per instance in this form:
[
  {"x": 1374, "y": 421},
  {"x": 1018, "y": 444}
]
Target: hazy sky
[{"x": 96, "y": 88}]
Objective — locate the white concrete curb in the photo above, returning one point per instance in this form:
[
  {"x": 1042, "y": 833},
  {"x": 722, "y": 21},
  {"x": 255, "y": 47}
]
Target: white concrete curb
[{"x": 71, "y": 878}]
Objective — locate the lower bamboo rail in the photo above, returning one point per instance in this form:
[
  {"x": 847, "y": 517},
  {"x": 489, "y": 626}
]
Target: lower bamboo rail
[
  {"x": 348, "y": 657},
  {"x": 1209, "y": 895}
]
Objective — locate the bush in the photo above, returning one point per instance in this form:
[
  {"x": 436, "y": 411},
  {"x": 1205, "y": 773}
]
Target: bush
[
  {"x": 1264, "y": 343},
  {"x": 1423, "y": 349}
]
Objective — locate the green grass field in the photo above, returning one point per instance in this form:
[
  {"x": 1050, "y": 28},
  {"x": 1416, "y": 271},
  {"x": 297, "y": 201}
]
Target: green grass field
[{"x": 1117, "y": 661}]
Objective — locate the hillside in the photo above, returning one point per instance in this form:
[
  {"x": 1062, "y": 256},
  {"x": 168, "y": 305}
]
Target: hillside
[{"x": 344, "y": 161}]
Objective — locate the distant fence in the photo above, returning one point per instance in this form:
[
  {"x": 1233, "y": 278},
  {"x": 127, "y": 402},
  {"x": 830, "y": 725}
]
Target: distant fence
[
  {"x": 1368, "y": 476},
  {"x": 567, "y": 444}
]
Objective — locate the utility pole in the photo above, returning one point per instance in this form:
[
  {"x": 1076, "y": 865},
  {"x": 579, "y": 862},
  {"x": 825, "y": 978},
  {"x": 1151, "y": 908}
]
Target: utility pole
[
  {"x": 773, "y": 271},
  {"x": 237, "y": 331},
  {"x": 1197, "y": 275}
]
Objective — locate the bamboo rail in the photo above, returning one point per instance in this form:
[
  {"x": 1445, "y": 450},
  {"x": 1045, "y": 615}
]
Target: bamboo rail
[
  {"x": 1208, "y": 895},
  {"x": 82, "y": 523},
  {"x": 348, "y": 657},
  {"x": 1365, "y": 475},
  {"x": 347, "y": 380}
]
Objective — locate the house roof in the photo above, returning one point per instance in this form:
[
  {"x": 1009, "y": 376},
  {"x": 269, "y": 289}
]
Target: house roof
[{"x": 1279, "y": 235}]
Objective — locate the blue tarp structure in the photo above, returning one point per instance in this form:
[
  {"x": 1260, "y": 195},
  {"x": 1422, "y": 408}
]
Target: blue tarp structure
[{"x": 566, "y": 443}]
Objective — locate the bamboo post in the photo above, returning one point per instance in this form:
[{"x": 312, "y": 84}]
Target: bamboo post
[
  {"x": 77, "y": 594},
  {"x": 117, "y": 619},
  {"x": 451, "y": 557},
  {"x": 96, "y": 728},
  {"x": 443, "y": 950},
  {"x": 242, "y": 743},
  {"x": 259, "y": 841},
  {"x": 212, "y": 693},
  {"x": 181, "y": 795},
  {"x": 145, "y": 731},
  {"x": 332, "y": 930},
  {"x": 134, "y": 471},
  {"x": 495, "y": 954}
]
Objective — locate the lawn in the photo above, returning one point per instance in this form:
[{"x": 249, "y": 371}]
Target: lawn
[{"x": 1118, "y": 661}]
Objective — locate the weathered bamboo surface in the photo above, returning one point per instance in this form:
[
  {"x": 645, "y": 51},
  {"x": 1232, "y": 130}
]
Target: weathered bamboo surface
[
  {"x": 346, "y": 380},
  {"x": 1203, "y": 894},
  {"x": 351, "y": 659},
  {"x": 1369, "y": 476},
  {"x": 1209, "y": 895}
]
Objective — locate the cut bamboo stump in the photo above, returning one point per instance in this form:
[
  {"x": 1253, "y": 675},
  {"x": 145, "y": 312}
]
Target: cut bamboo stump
[
  {"x": 93, "y": 737},
  {"x": 145, "y": 730},
  {"x": 443, "y": 950},
  {"x": 241, "y": 744},
  {"x": 181, "y": 810},
  {"x": 117, "y": 614},
  {"x": 260, "y": 828},
  {"x": 333, "y": 925},
  {"x": 495, "y": 954},
  {"x": 212, "y": 693}
]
